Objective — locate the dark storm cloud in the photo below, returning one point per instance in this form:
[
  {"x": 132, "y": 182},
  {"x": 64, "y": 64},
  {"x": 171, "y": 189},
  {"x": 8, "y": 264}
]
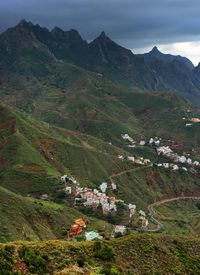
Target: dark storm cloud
[{"x": 132, "y": 23}]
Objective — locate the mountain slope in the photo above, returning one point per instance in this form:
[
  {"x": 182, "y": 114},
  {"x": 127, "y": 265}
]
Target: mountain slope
[
  {"x": 31, "y": 55},
  {"x": 25, "y": 218},
  {"x": 155, "y": 53}
]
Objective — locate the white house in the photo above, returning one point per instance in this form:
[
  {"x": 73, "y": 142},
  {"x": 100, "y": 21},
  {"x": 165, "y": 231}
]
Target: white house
[
  {"x": 68, "y": 190},
  {"x": 196, "y": 163},
  {"x": 103, "y": 187},
  {"x": 114, "y": 186},
  {"x": 182, "y": 159},
  {"x": 189, "y": 161},
  {"x": 142, "y": 213},
  {"x": 142, "y": 142},
  {"x": 64, "y": 178},
  {"x": 120, "y": 229},
  {"x": 157, "y": 142},
  {"x": 166, "y": 165},
  {"x": 151, "y": 141},
  {"x": 121, "y": 157},
  {"x": 131, "y": 158}
]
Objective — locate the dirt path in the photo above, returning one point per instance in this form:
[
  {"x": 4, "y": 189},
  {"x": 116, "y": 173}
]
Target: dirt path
[
  {"x": 152, "y": 212},
  {"x": 123, "y": 172}
]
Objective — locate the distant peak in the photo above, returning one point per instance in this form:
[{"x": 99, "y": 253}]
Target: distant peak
[
  {"x": 102, "y": 37},
  {"x": 24, "y": 23},
  {"x": 103, "y": 34},
  {"x": 71, "y": 34},
  {"x": 155, "y": 49},
  {"x": 56, "y": 30}
]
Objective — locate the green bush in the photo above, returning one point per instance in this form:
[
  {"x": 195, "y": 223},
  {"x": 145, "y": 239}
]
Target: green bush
[
  {"x": 81, "y": 261},
  {"x": 105, "y": 253},
  {"x": 6, "y": 260},
  {"x": 36, "y": 264},
  {"x": 109, "y": 270}
]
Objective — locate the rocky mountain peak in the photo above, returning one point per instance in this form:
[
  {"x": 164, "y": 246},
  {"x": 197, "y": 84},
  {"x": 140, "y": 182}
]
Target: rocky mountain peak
[{"x": 155, "y": 50}]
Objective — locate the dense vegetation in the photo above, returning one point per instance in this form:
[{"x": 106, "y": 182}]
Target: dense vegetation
[{"x": 144, "y": 254}]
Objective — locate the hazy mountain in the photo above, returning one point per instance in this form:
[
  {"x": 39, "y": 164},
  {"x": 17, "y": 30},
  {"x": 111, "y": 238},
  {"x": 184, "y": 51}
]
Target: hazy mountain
[
  {"x": 155, "y": 53},
  {"x": 28, "y": 50}
]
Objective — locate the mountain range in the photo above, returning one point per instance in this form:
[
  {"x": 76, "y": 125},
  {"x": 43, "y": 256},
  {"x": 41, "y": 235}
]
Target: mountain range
[
  {"x": 32, "y": 51},
  {"x": 65, "y": 106}
]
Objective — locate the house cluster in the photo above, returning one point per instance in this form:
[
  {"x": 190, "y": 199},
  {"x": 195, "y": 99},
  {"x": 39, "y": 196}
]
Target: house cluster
[
  {"x": 136, "y": 160},
  {"x": 192, "y": 120},
  {"x": 143, "y": 219},
  {"x": 142, "y": 142},
  {"x": 166, "y": 151},
  {"x": 162, "y": 150},
  {"x": 84, "y": 196},
  {"x": 92, "y": 197}
]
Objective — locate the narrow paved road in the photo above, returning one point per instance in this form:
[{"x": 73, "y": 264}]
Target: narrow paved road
[{"x": 152, "y": 212}]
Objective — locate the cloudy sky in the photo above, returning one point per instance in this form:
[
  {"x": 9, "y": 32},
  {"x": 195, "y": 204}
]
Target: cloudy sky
[{"x": 172, "y": 25}]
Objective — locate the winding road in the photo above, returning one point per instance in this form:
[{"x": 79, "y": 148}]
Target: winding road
[
  {"x": 150, "y": 206},
  {"x": 152, "y": 212}
]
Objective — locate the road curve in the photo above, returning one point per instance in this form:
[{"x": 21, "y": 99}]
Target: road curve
[{"x": 152, "y": 212}]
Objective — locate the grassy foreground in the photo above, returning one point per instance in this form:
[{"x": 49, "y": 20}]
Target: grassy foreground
[{"x": 141, "y": 254}]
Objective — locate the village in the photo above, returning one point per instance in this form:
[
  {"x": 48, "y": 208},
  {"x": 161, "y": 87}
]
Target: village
[
  {"x": 104, "y": 196},
  {"x": 93, "y": 198},
  {"x": 162, "y": 148}
]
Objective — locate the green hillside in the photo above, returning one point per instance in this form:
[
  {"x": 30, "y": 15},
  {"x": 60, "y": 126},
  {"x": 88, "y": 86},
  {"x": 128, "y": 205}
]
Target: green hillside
[
  {"x": 25, "y": 218},
  {"x": 180, "y": 217},
  {"x": 33, "y": 158},
  {"x": 144, "y": 254}
]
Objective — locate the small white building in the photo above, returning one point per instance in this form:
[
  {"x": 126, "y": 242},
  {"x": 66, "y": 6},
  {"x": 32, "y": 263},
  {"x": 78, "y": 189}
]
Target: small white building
[
  {"x": 142, "y": 213},
  {"x": 196, "y": 163},
  {"x": 103, "y": 187},
  {"x": 44, "y": 197},
  {"x": 114, "y": 186},
  {"x": 120, "y": 229},
  {"x": 166, "y": 165},
  {"x": 132, "y": 209},
  {"x": 182, "y": 159},
  {"x": 121, "y": 157},
  {"x": 64, "y": 178},
  {"x": 174, "y": 167},
  {"x": 189, "y": 161},
  {"x": 68, "y": 190},
  {"x": 89, "y": 236},
  {"x": 164, "y": 150},
  {"x": 184, "y": 168},
  {"x": 151, "y": 141},
  {"x": 142, "y": 142},
  {"x": 131, "y": 158},
  {"x": 157, "y": 142}
]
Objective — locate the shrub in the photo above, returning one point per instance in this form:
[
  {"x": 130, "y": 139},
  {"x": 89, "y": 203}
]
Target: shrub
[
  {"x": 109, "y": 270},
  {"x": 81, "y": 261},
  {"x": 36, "y": 263},
  {"x": 105, "y": 253},
  {"x": 6, "y": 261}
]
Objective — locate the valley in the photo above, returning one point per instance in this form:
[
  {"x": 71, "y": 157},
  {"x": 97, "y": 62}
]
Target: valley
[{"x": 96, "y": 143}]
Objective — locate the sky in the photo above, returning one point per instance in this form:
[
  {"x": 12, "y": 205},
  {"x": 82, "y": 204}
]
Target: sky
[{"x": 172, "y": 25}]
